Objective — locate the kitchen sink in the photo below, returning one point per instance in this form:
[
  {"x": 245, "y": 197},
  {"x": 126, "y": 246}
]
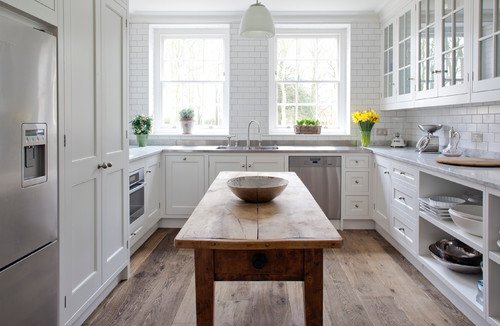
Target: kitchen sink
[{"x": 246, "y": 148}]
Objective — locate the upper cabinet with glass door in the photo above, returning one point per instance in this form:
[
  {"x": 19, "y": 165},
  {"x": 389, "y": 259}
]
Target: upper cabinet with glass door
[
  {"x": 388, "y": 82},
  {"x": 405, "y": 72},
  {"x": 486, "y": 51},
  {"x": 443, "y": 50}
]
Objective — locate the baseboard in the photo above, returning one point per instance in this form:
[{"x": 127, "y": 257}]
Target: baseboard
[
  {"x": 175, "y": 223},
  {"x": 356, "y": 225},
  {"x": 455, "y": 299}
]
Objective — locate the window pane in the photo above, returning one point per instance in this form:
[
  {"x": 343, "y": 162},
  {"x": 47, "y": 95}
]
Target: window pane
[
  {"x": 401, "y": 27},
  {"x": 430, "y": 69},
  {"x": 447, "y": 6},
  {"x": 328, "y": 49},
  {"x": 306, "y": 112},
  {"x": 307, "y": 70},
  {"x": 431, "y": 44},
  {"x": 287, "y": 49},
  {"x": 447, "y": 33},
  {"x": 459, "y": 28},
  {"x": 307, "y": 48},
  {"x": 407, "y": 80},
  {"x": 422, "y": 8},
  {"x": 391, "y": 34},
  {"x": 391, "y": 58},
  {"x": 486, "y": 64},
  {"x": 423, "y": 45},
  {"x": 487, "y": 17},
  {"x": 447, "y": 69},
  {"x": 407, "y": 52},
  {"x": 497, "y": 59},
  {"x": 287, "y": 70},
  {"x": 286, "y": 93},
  {"x": 402, "y": 81},
  {"x": 327, "y": 93},
  {"x": 401, "y": 55},
  {"x": 408, "y": 24},
  {"x": 422, "y": 69},
  {"x": 432, "y": 10},
  {"x": 327, "y": 70},
  {"x": 459, "y": 66},
  {"x": 306, "y": 93}
]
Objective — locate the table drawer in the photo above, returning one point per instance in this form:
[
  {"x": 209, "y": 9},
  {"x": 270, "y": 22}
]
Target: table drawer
[
  {"x": 357, "y": 182},
  {"x": 356, "y": 205},
  {"x": 405, "y": 174},
  {"x": 259, "y": 265},
  {"x": 357, "y": 161}
]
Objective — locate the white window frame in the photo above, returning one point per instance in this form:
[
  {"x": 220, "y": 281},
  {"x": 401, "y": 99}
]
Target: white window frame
[
  {"x": 320, "y": 30},
  {"x": 186, "y": 31}
]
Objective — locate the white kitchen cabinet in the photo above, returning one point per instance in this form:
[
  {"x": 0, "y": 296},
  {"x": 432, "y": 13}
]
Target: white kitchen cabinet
[
  {"x": 356, "y": 185},
  {"x": 382, "y": 195},
  {"x": 405, "y": 56},
  {"x": 251, "y": 162},
  {"x": 219, "y": 163},
  {"x": 486, "y": 81},
  {"x": 94, "y": 189},
  {"x": 45, "y": 10},
  {"x": 186, "y": 183},
  {"x": 388, "y": 78}
]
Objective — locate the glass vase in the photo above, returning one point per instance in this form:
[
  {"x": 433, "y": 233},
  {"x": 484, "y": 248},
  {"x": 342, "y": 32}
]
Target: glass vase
[
  {"x": 365, "y": 138},
  {"x": 142, "y": 140}
]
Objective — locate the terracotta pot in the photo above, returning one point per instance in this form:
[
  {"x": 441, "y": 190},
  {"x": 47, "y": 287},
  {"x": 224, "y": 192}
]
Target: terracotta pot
[{"x": 187, "y": 126}]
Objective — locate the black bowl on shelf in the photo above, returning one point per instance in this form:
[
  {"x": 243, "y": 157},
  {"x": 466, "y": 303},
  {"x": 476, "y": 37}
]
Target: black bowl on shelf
[{"x": 457, "y": 252}]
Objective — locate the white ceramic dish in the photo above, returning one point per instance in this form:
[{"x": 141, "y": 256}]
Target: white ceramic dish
[
  {"x": 445, "y": 201},
  {"x": 473, "y": 212},
  {"x": 471, "y": 226},
  {"x": 457, "y": 267}
]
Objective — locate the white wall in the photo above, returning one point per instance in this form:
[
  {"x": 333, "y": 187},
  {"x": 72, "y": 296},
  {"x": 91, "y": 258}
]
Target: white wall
[{"x": 249, "y": 80}]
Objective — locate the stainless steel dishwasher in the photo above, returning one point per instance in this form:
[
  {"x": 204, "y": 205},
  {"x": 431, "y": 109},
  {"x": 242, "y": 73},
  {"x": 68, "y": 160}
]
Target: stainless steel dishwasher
[{"x": 322, "y": 176}]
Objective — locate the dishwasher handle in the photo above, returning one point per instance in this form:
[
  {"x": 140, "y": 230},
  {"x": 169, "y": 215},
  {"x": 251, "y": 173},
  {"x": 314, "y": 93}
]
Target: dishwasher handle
[{"x": 314, "y": 161}]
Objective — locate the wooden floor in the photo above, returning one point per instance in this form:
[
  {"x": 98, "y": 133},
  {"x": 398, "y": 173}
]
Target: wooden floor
[{"x": 367, "y": 282}]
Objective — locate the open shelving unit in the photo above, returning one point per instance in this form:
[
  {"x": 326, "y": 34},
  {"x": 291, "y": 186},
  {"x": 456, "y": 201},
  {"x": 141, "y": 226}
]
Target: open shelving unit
[
  {"x": 492, "y": 279},
  {"x": 464, "y": 285},
  {"x": 452, "y": 229}
]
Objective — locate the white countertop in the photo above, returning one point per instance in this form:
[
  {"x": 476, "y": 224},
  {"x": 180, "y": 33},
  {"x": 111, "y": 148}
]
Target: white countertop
[{"x": 489, "y": 177}]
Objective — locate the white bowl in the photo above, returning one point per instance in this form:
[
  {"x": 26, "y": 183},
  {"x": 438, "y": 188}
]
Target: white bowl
[
  {"x": 473, "y": 212},
  {"x": 445, "y": 201},
  {"x": 471, "y": 226}
]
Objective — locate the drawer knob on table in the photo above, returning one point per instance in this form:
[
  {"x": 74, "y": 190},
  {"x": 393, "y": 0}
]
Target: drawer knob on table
[{"x": 259, "y": 260}]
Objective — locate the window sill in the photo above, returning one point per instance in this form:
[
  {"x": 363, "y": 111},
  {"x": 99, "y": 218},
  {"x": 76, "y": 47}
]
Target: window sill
[{"x": 323, "y": 133}]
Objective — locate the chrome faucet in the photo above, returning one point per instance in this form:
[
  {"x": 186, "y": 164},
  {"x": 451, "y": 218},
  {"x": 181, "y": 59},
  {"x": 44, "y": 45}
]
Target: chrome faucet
[{"x": 248, "y": 133}]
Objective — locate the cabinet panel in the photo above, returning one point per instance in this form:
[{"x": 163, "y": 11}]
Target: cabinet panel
[
  {"x": 382, "y": 194},
  {"x": 357, "y": 161},
  {"x": 41, "y": 9},
  {"x": 266, "y": 163},
  {"x": 153, "y": 190},
  {"x": 219, "y": 163},
  {"x": 112, "y": 98},
  {"x": 185, "y": 183},
  {"x": 356, "y": 206}
]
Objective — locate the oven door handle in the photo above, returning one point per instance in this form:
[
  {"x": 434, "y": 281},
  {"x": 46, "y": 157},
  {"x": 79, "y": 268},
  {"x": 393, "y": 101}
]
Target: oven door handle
[{"x": 139, "y": 186}]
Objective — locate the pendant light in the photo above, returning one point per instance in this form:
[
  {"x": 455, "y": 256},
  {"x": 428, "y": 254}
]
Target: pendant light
[{"x": 257, "y": 22}]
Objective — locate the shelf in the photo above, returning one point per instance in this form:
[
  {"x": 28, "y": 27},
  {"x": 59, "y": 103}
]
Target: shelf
[
  {"x": 452, "y": 229},
  {"x": 495, "y": 256},
  {"x": 464, "y": 285},
  {"x": 494, "y": 321}
]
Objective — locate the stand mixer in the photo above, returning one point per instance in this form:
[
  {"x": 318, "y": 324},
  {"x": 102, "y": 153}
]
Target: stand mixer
[{"x": 429, "y": 143}]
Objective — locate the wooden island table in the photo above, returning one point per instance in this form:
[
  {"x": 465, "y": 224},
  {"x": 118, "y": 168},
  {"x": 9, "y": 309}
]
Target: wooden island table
[{"x": 282, "y": 240}]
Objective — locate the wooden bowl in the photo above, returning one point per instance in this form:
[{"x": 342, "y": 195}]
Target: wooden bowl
[{"x": 257, "y": 189}]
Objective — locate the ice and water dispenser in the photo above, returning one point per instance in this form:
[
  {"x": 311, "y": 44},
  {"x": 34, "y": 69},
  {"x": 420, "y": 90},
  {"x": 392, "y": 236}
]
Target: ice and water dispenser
[{"x": 34, "y": 154}]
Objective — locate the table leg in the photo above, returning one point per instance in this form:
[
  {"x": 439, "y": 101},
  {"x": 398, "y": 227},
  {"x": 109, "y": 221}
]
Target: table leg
[
  {"x": 313, "y": 287},
  {"x": 204, "y": 281}
]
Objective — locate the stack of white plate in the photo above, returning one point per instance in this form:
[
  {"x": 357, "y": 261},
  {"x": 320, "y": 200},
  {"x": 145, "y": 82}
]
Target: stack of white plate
[
  {"x": 469, "y": 218},
  {"x": 438, "y": 206}
]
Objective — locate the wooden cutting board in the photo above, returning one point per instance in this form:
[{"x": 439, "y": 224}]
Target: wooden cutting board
[{"x": 468, "y": 161}]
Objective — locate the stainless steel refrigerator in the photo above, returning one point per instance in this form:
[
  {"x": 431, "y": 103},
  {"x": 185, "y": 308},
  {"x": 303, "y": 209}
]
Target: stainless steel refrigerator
[{"x": 28, "y": 175}]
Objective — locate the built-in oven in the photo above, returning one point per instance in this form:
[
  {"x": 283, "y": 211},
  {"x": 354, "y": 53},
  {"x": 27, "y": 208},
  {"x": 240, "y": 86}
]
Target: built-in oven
[{"x": 136, "y": 193}]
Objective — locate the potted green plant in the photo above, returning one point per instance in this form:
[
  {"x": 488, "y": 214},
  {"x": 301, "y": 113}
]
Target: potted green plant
[
  {"x": 141, "y": 127},
  {"x": 307, "y": 126},
  {"x": 186, "y": 116}
]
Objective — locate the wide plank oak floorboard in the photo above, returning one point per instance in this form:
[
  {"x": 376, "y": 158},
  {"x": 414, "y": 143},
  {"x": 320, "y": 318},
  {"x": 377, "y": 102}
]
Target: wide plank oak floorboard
[{"x": 367, "y": 282}]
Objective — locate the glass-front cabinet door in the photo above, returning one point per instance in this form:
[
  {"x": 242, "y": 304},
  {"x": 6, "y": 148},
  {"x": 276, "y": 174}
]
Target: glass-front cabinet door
[
  {"x": 454, "y": 55},
  {"x": 404, "y": 76},
  {"x": 487, "y": 48},
  {"x": 388, "y": 64},
  {"x": 426, "y": 49}
]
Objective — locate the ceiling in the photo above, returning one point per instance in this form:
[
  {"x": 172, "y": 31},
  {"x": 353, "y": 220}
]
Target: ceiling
[{"x": 273, "y": 5}]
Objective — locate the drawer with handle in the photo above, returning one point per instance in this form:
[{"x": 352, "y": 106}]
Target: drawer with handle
[
  {"x": 357, "y": 161},
  {"x": 405, "y": 174},
  {"x": 357, "y": 182},
  {"x": 403, "y": 233},
  {"x": 404, "y": 200},
  {"x": 356, "y": 206}
]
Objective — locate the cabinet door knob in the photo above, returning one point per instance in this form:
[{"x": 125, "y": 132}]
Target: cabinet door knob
[
  {"x": 109, "y": 164},
  {"x": 102, "y": 166},
  {"x": 402, "y": 173},
  {"x": 401, "y": 229},
  {"x": 148, "y": 171},
  {"x": 185, "y": 158},
  {"x": 356, "y": 182},
  {"x": 243, "y": 165},
  {"x": 356, "y": 205},
  {"x": 357, "y": 162},
  {"x": 402, "y": 199},
  {"x": 250, "y": 165},
  {"x": 386, "y": 172}
]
